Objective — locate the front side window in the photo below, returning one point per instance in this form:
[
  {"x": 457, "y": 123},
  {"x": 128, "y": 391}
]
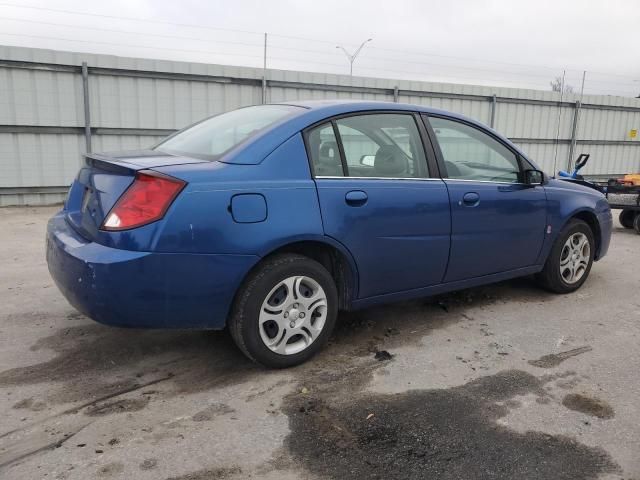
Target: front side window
[
  {"x": 470, "y": 154},
  {"x": 385, "y": 145},
  {"x": 212, "y": 138}
]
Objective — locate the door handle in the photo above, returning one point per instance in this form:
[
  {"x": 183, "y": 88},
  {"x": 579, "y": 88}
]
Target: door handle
[
  {"x": 356, "y": 198},
  {"x": 470, "y": 199}
]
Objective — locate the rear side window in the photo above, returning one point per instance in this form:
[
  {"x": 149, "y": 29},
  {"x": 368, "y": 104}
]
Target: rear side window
[
  {"x": 212, "y": 138},
  {"x": 323, "y": 149},
  {"x": 385, "y": 145}
]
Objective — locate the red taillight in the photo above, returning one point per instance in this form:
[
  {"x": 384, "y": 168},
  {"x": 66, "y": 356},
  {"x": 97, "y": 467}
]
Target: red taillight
[{"x": 145, "y": 201}]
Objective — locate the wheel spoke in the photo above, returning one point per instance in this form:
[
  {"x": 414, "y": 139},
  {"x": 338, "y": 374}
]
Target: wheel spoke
[
  {"x": 313, "y": 301},
  {"x": 306, "y": 335},
  {"x": 297, "y": 284},
  {"x": 290, "y": 284},
  {"x": 281, "y": 345},
  {"x": 314, "y": 328},
  {"x": 266, "y": 316},
  {"x": 567, "y": 273}
]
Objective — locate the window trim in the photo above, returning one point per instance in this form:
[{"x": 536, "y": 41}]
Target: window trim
[
  {"x": 429, "y": 166},
  {"x": 522, "y": 162},
  {"x": 343, "y": 157}
]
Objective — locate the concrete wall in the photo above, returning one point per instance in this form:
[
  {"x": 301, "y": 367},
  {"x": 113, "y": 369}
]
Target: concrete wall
[{"x": 135, "y": 102}]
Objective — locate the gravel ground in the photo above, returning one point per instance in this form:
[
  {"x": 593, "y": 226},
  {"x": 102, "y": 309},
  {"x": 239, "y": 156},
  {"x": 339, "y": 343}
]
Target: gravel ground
[{"x": 505, "y": 381}]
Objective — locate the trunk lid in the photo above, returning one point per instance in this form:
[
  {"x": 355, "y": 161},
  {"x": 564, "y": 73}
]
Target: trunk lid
[{"x": 103, "y": 179}]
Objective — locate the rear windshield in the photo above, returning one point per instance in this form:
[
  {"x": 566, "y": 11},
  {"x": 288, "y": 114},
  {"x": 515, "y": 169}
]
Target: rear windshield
[{"x": 212, "y": 138}]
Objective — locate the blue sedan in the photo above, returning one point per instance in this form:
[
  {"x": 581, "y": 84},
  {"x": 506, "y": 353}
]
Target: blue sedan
[{"x": 270, "y": 219}]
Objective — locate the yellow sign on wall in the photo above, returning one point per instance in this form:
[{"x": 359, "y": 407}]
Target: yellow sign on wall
[{"x": 633, "y": 133}]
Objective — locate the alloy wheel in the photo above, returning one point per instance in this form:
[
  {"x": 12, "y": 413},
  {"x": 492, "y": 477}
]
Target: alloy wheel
[
  {"x": 293, "y": 315},
  {"x": 575, "y": 257}
]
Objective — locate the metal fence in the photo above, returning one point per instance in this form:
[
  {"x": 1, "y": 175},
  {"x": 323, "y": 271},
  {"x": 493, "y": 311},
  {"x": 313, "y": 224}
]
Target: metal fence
[{"x": 55, "y": 105}]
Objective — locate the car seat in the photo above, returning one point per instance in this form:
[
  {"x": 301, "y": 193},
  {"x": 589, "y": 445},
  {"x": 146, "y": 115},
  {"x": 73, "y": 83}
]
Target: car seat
[
  {"x": 328, "y": 164},
  {"x": 390, "y": 161}
]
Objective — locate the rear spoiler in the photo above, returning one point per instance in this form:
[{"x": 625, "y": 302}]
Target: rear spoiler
[
  {"x": 110, "y": 164},
  {"x": 134, "y": 160}
]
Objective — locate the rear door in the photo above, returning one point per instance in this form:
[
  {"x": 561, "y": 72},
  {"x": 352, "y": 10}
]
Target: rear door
[
  {"x": 378, "y": 198},
  {"x": 498, "y": 222}
]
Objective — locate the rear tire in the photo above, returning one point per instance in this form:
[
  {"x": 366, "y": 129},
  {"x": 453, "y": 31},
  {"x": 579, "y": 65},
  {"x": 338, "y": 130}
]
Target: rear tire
[
  {"x": 570, "y": 260},
  {"x": 627, "y": 218},
  {"x": 285, "y": 311},
  {"x": 636, "y": 223}
]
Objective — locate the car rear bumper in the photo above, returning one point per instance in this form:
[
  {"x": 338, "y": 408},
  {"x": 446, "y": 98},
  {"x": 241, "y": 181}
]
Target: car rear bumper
[{"x": 143, "y": 289}]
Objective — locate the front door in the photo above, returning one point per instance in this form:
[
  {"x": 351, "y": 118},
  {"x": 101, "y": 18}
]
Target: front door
[
  {"x": 498, "y": 222},
  {"x": 377, "y": 199}
]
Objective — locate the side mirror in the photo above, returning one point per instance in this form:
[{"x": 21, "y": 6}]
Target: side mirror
[
  {"x": 367, "y": 160},
  {"x": 534, "y": 177}
]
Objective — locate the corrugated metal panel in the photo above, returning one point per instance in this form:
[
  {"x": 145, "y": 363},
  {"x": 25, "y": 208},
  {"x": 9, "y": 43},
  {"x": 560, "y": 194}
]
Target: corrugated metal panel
[
  {"x": 132, "y": 100},
  {"x": 608, "y": 125},
  {"x": 611, "y": 159},
  {"x": 544, "y": 153},
  {"x": 22, "y": 199},
  {"x": 110, "y": 143},
  {"x": 33, "y": 159},
  {"x": 123, "y": 102},
  {"x": 533, "y": 121},
  {"x": 32, "y": 97}
]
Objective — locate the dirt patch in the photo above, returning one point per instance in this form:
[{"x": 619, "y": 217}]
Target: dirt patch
[
  {"x": 210, "y": 474},
  {"x": 30, "y": 404},
  {"x": 149, "y": 464},
  {"x": 118, "y": 406},
  {"x": 93, "y": 361},
  {"x": 446, "y": 434},
  {"x": 211, "y": 412},
  {"x": 555, "y": 359},
  {"x": 365, "y": 332},
  {"x": 110, "y": 469},
  {"x": 588, "y": 405}
]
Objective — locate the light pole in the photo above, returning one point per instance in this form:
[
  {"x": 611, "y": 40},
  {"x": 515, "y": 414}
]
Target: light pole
[{"x": 352, "y": 58}]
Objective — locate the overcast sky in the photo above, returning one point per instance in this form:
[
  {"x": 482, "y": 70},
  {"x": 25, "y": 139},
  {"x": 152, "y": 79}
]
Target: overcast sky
[{"x": 500, "y": 42}]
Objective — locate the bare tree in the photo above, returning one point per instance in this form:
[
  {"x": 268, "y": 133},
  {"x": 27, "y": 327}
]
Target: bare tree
[{"x": 556, "y": 86}]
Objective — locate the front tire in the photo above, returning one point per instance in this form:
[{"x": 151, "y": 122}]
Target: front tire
[
  {"x": 570, "y": 260},
  {"x": 285, "y": 311}
]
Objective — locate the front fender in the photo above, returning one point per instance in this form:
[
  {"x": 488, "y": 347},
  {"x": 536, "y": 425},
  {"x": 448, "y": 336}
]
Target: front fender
[{"x": 566, "y": 200}]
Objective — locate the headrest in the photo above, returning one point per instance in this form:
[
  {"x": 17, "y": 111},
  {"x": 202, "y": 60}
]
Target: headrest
[
  {"x": 329, "y": 149},
  {"x": 390, "y": 160}
]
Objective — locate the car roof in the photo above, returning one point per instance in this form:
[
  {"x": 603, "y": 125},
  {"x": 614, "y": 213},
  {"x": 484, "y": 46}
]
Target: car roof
[
  {"x": 346, "y": 106},
  {"x": 316, "y": 111}
]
